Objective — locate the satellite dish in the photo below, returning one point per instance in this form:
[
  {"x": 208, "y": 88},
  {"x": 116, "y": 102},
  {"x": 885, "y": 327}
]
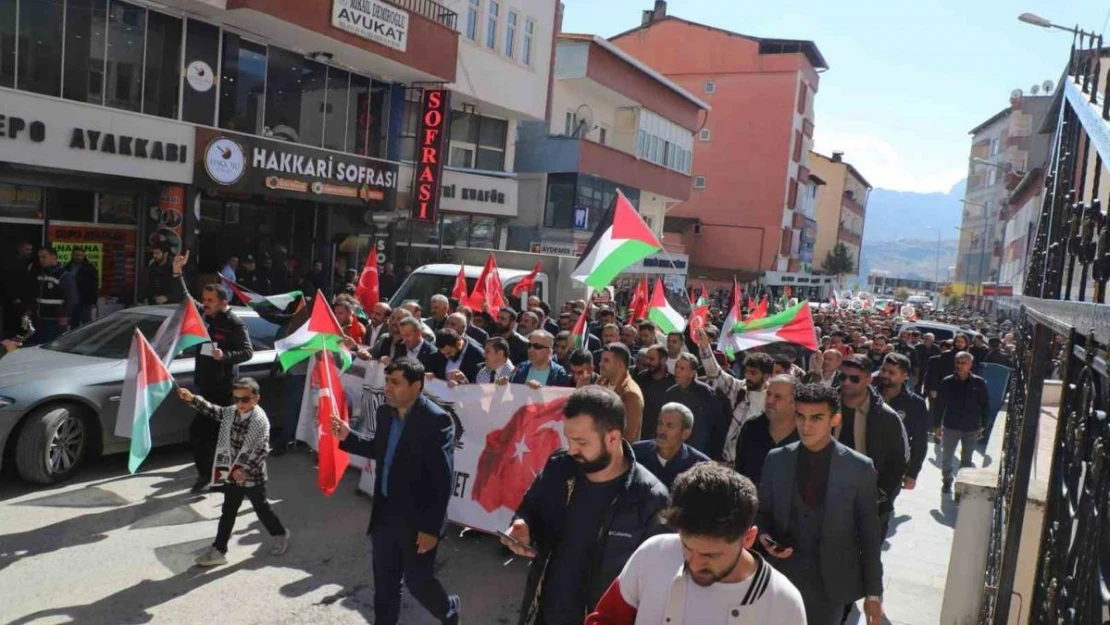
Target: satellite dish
[
  {"x": 585, "y": 116},
  {"x": 1016, "y": 94},
  {"x": 1047, "y": 86},
  {"x": 1035, "y": 89}
]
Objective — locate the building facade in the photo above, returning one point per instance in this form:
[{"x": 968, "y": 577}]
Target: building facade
[
  {"x": 841, "y": 207},
  {"x": 614, "y": 124},
  {"x": 741, "y": 218}
]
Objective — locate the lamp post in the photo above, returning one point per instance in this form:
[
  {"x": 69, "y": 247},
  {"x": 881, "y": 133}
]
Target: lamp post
[
  {"x": 936, "y": 272},
  {"x": 1037, "y": 20}
]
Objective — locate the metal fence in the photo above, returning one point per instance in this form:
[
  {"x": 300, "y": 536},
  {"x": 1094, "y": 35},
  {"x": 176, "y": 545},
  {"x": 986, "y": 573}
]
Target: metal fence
[{"x": 429, "y": 9}]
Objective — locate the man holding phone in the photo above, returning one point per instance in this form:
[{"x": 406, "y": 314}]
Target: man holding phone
[
  {"x": 217, "y": 365},
  {"x": 818, "y": 514}
]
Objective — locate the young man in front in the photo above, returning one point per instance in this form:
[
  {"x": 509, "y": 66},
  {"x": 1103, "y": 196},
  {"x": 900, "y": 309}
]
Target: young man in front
[{"x": 707, "y": 573}]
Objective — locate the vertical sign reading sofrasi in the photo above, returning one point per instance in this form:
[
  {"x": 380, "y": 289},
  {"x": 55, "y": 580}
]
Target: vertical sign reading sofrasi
[
  {"x": 429, "y": 154},
  {"x": 372, "y": 20}
]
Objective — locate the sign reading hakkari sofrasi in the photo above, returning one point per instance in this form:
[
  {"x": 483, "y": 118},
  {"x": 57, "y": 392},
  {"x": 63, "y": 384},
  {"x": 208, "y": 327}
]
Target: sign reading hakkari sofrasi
[{"x": 372, "y": 20}]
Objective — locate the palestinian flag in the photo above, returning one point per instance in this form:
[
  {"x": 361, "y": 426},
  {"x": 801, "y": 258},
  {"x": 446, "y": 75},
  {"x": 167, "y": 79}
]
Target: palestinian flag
[
  {"x": 793, "y": 325},
  {"x": 146, "y": 384},
  {"x": 578, "y": 334},
  {"x": 661, "y": 313},
  {"x": 184, "y": 329},
  {"x": 331, "y": 401},
  {"x": 321, "y": 332},
  {"x": 726, "y": 343},
  {"x": 259, "y": 302},
  {"x": 703, "y": 298},
  {"x": 621, "y": 240}
]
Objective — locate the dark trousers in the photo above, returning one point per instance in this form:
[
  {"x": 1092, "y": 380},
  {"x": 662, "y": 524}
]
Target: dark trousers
[
  {"x": 203, "y": 432},
  {"x": 46, "y": 330},
  {"x": 285, "y": 431},
  {"x": 884, "y": 524},
  {"x": 394, "y": 559},
  {"x": 233, "y": 498}
]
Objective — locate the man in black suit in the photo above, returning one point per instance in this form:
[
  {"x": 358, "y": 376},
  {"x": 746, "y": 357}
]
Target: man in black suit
[
  {"x": 412, "y": 344},
  {"x": 506, "y": 328},
  {"x": 414, "y": 451},
  {"x": 455, "y": 357},
  {"x": 819, "y": 517}
]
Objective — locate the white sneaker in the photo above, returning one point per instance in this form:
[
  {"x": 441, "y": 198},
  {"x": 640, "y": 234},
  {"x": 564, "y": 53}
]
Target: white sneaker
[
  {"x": 212, "y": 557},
  {"x": 281, "y": 544}
]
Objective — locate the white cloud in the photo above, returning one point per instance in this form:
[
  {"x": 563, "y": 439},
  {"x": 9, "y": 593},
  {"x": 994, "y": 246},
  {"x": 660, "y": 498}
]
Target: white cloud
[{"x": 885, "y": 167}]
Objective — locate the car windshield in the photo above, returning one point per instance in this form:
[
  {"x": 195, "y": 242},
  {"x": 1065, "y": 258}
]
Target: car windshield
[
  {"x": 109, "y": 337},
  {"x": 420, "y": 287}
]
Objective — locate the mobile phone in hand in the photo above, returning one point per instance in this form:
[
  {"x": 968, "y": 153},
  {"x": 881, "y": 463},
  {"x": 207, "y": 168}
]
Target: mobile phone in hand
[{"x": 529, "y": 548}]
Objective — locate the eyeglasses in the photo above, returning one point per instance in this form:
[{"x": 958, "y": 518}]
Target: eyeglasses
[
  {"x": 539, "y": 346},
  {"x": 854, "y": 379},
  {"x": 238, "y": 399}
]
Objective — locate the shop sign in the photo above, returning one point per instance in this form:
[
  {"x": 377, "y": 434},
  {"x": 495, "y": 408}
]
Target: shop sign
[
  {"x": 662, "y": 264},
  {"x": 111, "y": 250},
  {"x": 47, "y": 132},
  {"x": 780, "y": 278},
  {"x": 244, "y": 164},
  {"x": 556, "y": 247},
  {"x": 479, "y": 194},
  {"x": 372, "y": 20},
  {"x": 432, "y": 141}
]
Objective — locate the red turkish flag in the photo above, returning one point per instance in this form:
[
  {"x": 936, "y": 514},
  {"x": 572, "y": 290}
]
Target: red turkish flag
[
  {"x": 528, "y": 282},
  {"x": 458, "y": 292},
  {"x": 331, "y": 401},
  {"x": 516, "y": 454},
  {"x": 367, "y": 290},
  {"x": 638, "y": 307},
  {"x": 699, "y": 318}
]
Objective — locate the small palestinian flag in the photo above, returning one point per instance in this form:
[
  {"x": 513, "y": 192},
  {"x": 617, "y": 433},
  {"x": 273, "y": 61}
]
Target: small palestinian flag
[
  {"x": 321, "y": 332},
  {"x": 793, "y": 325},
  {"x": 621, "y": 240},
  {"x": 146, "y": 384},
  {"x": 727, "y": 343},
  {"x": 184, "y": 329},
  {"x": 661, "y": 313},
  {"x": 262, "y": 303},
  {"x": 578, "y": 334}
]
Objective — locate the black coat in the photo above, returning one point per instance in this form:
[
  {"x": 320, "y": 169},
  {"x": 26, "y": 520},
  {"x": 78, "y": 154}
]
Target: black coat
[
  {"x": 518, "y": 348},
  {"x": 939, "y": 367},
  {"x": 654, "y": 392},
  {"x": 257, "y": 281},
  {"x": 477, "y": 334},
  {"x": 472, "y": 360},
  {"x": 710, "y": 422},
  {"x": 915, "y": 418},
  {"x": 888, "y": 447},
  {"x": 962, "y": 405},
  {"x": 88, "y": 287},
  {"x": 213, "y": 377},
  {"x": 632, "y": 518},
  {"x": 160, "y": 282},
  {"x": 422, "y": 474}
]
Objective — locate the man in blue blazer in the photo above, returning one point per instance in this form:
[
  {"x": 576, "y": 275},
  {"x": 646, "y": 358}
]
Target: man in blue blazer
[{"x": 413, "y": 448}]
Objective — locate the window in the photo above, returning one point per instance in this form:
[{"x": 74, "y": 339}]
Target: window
[
  {"x": 86, "y": 24},
  {"x": 996, "y": 146},
  {"x": 162, "y": 73},
  {"x": 699, "y": 182},
  {"x": 603, "y": 135},
  {"x": 571, "y": 124},
  {"x": 566, "y": 192},
  {"x": 410, "y": 124},
  {"x": 335, "y": 109},
  {"x": 123, "y": 84},
  {"x": 7, "y": 42},
  {"x": 803, "y": 95},
  {"x": 294, "y": 92},
  {"x": 40, "y": 56},
  {"x": 711, "y": 86},
  {"x": 491, "y": 25},
  {"x": 798, "y": 146},
  {"x": 703, "y": 134},
  {"x": 664, "y": 143},
  {"x": 510, "y": 34},
  {"x": 477, "y": 141},
  {"x": 473, "y": 8},
  {"x": 529, "y": 35},
  {"x": 242, "y": 84},
  {"x": 992, "y": 176}
]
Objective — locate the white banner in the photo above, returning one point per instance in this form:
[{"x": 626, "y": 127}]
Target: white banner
[{"x": 508, "y": 432}]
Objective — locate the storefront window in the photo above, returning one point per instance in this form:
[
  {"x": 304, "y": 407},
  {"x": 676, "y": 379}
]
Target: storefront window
[
  {"x": 126, "y": 35},
  {"x": 70, "y": 205},
  {"x": 426, "y": 232},
  {"x": 242, "y": 84},
  {"x": 483, "y": 232},
  {"x": 163, "y": 65},
  {"x": 335, "y": 111},
  {"x": 20, "y": 201},
  {"x": 117, "y": 209},
  {"x": 492, "y": 134},
  {"x": 456, "y": 230},
  {"x": 358, "y": 111},
  {"x": 7, "y": 42},
  {"x": 40, "y": 56},
  {"x": 202, "y": 44},
  {"x": 565, "y": 192},
  {"x": 84, "y": 66},
  {"x": 559, "y": 211},
  {"x": 295, "y": 89},
  {"x": 477, "y": 142},
  {"x": 410, "y": 126}
]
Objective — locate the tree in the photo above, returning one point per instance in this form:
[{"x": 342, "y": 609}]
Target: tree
[
  {"x": 838, "y": 262},
  {"x": 901, "y": 294}
]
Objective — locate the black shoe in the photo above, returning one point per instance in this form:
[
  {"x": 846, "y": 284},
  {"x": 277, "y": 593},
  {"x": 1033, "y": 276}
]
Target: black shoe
[
  {"x": 200, "y": 486},
  {"x": 946, "y": 487}
]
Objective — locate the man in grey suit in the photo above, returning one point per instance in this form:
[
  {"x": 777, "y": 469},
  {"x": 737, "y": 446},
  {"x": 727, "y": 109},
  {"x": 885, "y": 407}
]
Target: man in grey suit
[{"x": 818, "y": 514}]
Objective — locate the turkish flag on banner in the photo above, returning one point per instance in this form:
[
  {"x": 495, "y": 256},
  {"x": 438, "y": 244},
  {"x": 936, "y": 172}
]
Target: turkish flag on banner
[
  {"x": 458, "y": 292},
  {"x": 367, "y": 290},
  {"x": 699, "y": 318},
  {"x": 331, "y": 402},
  {"x": 515, "y": 454}
]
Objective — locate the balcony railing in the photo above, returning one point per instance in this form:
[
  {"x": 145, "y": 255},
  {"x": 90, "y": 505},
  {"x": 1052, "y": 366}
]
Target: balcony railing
[{"x": 429, "y": 9}]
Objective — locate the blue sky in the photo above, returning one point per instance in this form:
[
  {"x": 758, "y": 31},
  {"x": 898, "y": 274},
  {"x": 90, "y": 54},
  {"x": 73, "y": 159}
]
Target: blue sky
[{"x": 907, "y": 80}]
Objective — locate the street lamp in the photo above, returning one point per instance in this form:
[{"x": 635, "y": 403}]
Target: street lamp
[
  {"x": 936, "y": 272},
  {"x": 1037, "y": 20},
  {"x": 982, "y": 161}
]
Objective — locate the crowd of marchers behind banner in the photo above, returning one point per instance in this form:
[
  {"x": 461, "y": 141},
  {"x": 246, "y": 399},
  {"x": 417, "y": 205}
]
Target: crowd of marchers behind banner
[{"x": 694, "y": 487}]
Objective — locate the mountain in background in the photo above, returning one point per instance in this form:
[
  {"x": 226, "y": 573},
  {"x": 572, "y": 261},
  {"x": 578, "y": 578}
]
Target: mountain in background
[
  {"x": 907, "y": 258},
  {"x": 892, "y": 215}
]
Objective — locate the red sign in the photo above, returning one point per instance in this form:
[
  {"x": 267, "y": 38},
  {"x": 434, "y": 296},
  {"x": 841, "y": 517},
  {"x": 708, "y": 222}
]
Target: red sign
[
  {"x": 1004, "y": 290},
  {"x": 432, "y": 142}
]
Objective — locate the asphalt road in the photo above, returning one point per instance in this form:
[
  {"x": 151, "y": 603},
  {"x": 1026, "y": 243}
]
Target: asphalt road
[{"x": 110, "y": 548}]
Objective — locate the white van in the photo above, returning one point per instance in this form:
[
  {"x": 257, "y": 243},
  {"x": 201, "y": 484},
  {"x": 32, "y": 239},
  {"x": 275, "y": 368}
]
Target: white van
[{"x": 428, "y": 280}]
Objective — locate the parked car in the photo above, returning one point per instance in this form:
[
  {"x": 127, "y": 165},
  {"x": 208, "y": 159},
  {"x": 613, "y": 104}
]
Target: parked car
[{"x": 58, "y": 401}]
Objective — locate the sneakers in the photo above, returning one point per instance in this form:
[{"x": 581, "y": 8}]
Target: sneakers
[
  {"x": 212, "y": 557},
  {"x": 281, "y": 544},
  {"x": 456, "y": 605}
]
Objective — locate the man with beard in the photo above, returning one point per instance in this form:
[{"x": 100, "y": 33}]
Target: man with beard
[
  {"x": 745, "y": 396},
  {"x": 709, "y": 429},
  {"x": 528, "y": 323},
  {"x": 668, "y": 455},
  {"x": 713, "y": 511},
  {"x": 17, "y": 286},
  {"x": 610, "y": 333},
  {"x": 159, "y": 277},
  {"x": 676, "y": 346},
  {"x": 563, "y": 348},
  {"x": 910, "y": 408},
  {"x": 649, "y": 336},
  {"x": 925, "y": 351},
  {"x": 629, "y": 336},
  {"x": 580, "y": 364},
  {"x": 377, "y": 327},
  {"x": 505, "y": 327},
  {"x": 615, "y": 361},
  {"x": 654, "y": 381},
  {"x": 826, "y": 369},
  {"x": 439, "y": 307},
  {"x": 773, "y": 429},
  {"x": 455, "y": 358},
  {"x": 594, "y": 483}
]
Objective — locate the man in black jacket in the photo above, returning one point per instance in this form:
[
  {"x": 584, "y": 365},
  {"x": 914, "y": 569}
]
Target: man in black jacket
[
  {"x": 926, "y": 350},
  {"x": 55, "y": 298},
  {"x": 872, "y": 428},
  {"x": 586, "y": 513},
  {"x": 710, "y": 426},
  {"x": 506, "y": 328},
  {"x": 910, "y": 407},
  {"x": 88, "y": 287},
  {"x": 216, "y": 368},
  {"x": 654, "y": 382},
  {"x": 159, "y": 277},
  {"x": 414, "y": 451},
  {"x": 455, "y": 356},
  {"x": 960, "y": 413}
]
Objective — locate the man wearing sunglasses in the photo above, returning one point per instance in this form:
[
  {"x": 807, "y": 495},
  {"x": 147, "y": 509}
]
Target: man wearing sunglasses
[
  {"x": 873, "y": 428},
  {"x": 541, "y": 370}
]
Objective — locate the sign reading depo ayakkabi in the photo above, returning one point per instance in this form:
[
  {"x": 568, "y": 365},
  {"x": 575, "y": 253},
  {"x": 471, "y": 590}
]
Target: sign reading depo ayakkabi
[{"x": 372, "y": 20}]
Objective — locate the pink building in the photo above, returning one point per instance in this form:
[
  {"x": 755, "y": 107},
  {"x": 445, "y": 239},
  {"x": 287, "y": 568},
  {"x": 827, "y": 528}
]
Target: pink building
[{"x": 751, "y": 153}]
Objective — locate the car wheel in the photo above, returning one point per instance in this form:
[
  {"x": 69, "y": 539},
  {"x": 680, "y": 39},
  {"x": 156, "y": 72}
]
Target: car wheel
[{"x": 53, "y": 444}]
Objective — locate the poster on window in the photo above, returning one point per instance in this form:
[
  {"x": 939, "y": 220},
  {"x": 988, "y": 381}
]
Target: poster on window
[{"x": 117, "y": 252}]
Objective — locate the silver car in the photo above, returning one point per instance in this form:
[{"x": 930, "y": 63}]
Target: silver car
[{"x": 58, "y": 401}]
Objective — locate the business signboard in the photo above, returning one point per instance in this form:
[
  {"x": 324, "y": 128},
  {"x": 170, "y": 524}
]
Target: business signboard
[
  {"x": 372, "y": 20},
  {"x": 431, "y": 148}
]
